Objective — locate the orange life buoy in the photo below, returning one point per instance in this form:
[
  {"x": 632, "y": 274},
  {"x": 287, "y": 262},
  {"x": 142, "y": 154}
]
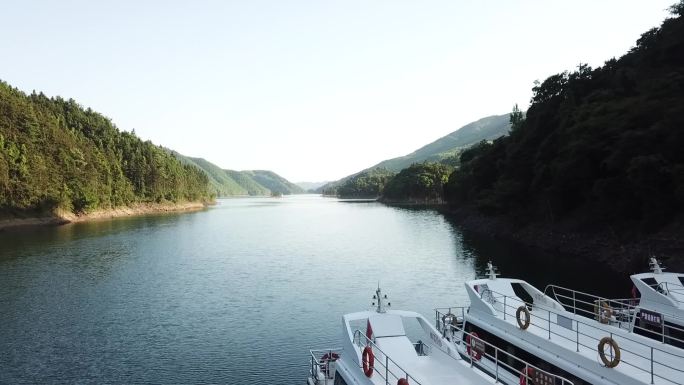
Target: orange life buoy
[
  {"x": 402, "y": 381},
  {"x": 615, "y": 352},
  {"x": 368, "y": 359},
  {"x": 470, "y": 348},
  {"x": 525, "y": 374}
]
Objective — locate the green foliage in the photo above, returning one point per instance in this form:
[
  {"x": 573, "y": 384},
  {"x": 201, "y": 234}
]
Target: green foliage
[
  {"x": 220, "y": 182},
  {"x": 444, "y": 150},
  {"x": 420, "y": 182},
  {"x": 452, "y": 144},
  {"x": 56, "y": 154},
  {"x": 367, "y": 184},
  {"x": 274, "y": 182},
  {"x": 247, "y": 182},
  {"x": 601, "y": 146},
  {"x": 516, "y": 118}
]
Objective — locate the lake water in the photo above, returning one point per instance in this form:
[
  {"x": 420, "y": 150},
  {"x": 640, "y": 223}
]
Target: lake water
[{"x": 236, "y": 293}]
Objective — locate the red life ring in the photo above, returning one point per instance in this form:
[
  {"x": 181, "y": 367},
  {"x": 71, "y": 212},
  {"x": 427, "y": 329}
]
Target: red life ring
[
  {"x": 523, "y": 377},
  {"x": 471, "y": 351},
  {"x": 368, "y": 359},
  {"x": 402, "y": 381}
]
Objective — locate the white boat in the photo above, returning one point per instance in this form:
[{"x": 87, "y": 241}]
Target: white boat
[
  {"x": 589, "y": 345},
  {"x": 655, "y": 309},
  {"x": 383, "y": 346}
]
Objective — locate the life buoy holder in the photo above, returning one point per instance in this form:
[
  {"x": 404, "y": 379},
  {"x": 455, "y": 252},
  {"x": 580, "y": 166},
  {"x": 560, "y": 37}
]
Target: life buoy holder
[
  {"x": 603, "y": 311},
  {"x": 615, "y": 359},
  {"x": 523, "y": 323},
  {"x": 402, "y": 381},
  {"x": 326, "y": 359},
  {"x": 330, "y": 357},
  {"x": 470, "y": 348},
  {"x": 368, "y": 360},
  {"x": 525, "y": 374}
]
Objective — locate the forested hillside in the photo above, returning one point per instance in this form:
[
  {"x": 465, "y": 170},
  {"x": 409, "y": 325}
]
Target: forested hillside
[
  {"x": 246, "y": 181},
  {"x": 488, "y": 128},
  {"x": 220, "y": 183},
  {"x": 420, "y": 183},
  {"x": 367, "y": 184},
  {"x": 597, "y": 147},
  {"x": 223, "y": 183},
  {"x": 274, "y": 182},
  {"x": 444, "y": 150},
  {"x": 56, "y": 154}
]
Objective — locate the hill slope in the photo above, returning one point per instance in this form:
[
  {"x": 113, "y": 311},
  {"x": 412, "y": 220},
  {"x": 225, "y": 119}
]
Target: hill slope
[
  {"x": 488, "y": 128},
  {"x": 274, "y": 182},
  {"x": 447, "y": 146},
  {"x": 600, "y": 150},
  {"x": 235, "y": 183},
  {"x": 55, "y": 154},
  {"x": 221, "y": 184},
  {"x": 245, "y": 180},
  {"x": 310, "y": 186}
]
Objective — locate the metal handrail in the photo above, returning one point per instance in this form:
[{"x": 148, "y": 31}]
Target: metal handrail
[
  {"x": 369, "y": 342},
  {"x": 624, "y": 307},
  {"x": 577, "y": 323},
  {"x": 499, "y": 357}
]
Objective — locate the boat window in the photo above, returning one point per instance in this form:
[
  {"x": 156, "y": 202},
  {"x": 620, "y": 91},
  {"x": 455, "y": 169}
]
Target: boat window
[
  {"x": 520, "y": 291},
  {"x": 675, "y": 333},
  {"x": 681, "y": 279},
  {"x": 654, "y": 284},
  {"x": 339, "y": 380}
]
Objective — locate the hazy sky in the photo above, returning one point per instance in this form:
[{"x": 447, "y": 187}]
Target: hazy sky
[{"x": 313, "y": 90}]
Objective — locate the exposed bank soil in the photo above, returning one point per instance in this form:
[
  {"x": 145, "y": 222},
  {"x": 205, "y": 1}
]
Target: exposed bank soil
[
  {"x": 418, "y": 202},
  {"x": 60, "y": 217},
  {"x": 622, "y": 253}
]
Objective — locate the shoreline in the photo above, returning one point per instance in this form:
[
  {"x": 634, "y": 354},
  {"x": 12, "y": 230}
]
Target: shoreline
[{"x": 61, "y": 217}]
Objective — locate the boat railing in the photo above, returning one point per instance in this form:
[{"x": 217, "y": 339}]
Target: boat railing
[
  {"x": 587, "y": 335},
  {"x": 388, "y": 367},
  {"x": 620, "y": 312},
  {"x": 501, "y": 359},
  {"x": 323, "y": 361}
]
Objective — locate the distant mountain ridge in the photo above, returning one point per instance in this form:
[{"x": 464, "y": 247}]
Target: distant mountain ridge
[
  {"x": 450, "y": 145},
  {"x": 310, "y": 186},
  {"x": 488, "y": 128},
  {"x": 226, "y": 182}
]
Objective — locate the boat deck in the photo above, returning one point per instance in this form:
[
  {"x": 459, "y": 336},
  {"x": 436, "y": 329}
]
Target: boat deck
[{"x": 641, "y": 358}]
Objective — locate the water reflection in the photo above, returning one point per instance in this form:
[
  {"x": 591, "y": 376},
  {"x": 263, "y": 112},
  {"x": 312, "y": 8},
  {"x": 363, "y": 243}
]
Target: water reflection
[
  {"x": 217, "y": 295},
  {"x": 540, "y": 267}
]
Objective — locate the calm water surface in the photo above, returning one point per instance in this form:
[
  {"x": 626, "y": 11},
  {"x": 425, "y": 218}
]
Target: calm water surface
[{"x": 234, "y": 294}]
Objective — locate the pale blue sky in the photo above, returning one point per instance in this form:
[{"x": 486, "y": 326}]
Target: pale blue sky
[{"x": 313, "y": 90}]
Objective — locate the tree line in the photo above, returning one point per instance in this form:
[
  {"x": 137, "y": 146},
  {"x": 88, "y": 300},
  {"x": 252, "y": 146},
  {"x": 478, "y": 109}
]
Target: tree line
[
  {"x": 55, "y": 154},
  {"x": 599, "y": 146}
]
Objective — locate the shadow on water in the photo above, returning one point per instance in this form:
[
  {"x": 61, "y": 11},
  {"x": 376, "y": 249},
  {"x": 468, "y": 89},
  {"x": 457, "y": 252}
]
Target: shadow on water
[{"x": 540, "y": 267}]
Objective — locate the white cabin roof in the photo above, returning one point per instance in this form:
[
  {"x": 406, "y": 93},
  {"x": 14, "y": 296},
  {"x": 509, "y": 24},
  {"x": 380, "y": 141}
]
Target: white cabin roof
[{"x": 386, "y": 325}]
